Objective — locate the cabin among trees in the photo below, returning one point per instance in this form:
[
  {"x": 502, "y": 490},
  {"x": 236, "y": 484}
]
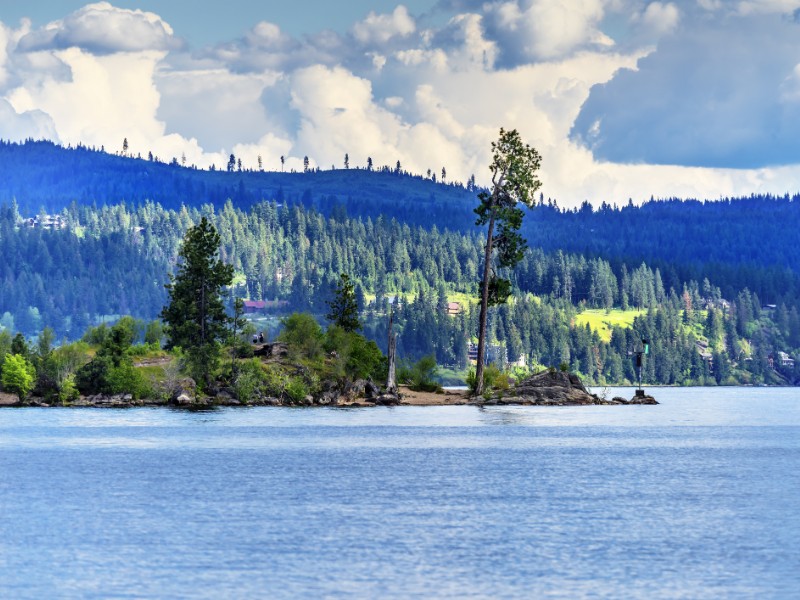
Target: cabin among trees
[{"x": 262, "y": 306}]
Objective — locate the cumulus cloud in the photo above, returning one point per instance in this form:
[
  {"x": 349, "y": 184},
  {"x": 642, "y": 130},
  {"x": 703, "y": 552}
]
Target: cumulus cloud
[
  {"x": 661, "y": 18},
  {"x": 545, "y": 29},
  {"x": 623, "y": 98},
  {"x": 34, "y": 124},
  {"x": 704, "y": 98},
  {"x": 103, "y": 28},
  {"x": 378, "y": 29}
]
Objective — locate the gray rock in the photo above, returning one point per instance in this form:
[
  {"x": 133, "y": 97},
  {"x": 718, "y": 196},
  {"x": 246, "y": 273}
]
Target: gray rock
[
  {"x": 387, "y": 400},
  {"x": 548, "y": 388},
  {"x": 643, "y": 399},
  {"x": 9, "y": 399}
]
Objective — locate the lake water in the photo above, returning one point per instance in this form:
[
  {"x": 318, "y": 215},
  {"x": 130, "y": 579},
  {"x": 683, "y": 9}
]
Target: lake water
[{"x": 698, "y": 497}]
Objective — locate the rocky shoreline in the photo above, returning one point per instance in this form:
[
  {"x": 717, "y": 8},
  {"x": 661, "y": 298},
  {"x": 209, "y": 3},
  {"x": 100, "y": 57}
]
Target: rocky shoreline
[
  {"x": 549, "y": 388},
  {"x": 558, "y": 388}
]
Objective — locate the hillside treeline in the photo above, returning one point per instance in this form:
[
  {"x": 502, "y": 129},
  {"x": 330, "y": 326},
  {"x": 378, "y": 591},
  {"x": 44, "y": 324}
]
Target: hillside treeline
[{"x": 114, "y": 260}]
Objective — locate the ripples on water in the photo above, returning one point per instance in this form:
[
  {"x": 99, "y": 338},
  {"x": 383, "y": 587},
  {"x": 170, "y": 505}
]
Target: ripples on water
[{"x": 694, "y": 498}]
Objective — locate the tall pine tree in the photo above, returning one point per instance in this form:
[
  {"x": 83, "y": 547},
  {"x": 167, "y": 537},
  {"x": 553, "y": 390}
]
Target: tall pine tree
[{"x": 195, "y": 316}]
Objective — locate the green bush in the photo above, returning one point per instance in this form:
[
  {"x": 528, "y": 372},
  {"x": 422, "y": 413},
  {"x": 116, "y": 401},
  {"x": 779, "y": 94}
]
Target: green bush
[
  {"x": 303, "y": 335},
  {"x": 18, "y": 375},
  {"x": 249, "y": 380},
  {"x": 127, "y": 379},
  {"x": 92, "y": 378},
  {"x": 296, "y": 389},
  {"x": 493, "y": 380},
  {"x": 356, "y": 356},
  {"x": 421, "y": 376},
  {"x": 69, "y": 391},
  {"x": 274, "y": 381}
]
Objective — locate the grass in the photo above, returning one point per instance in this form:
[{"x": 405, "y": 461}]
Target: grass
[
  {"x": 602, "y": 321},
  {"x": 452, "y": 376}
]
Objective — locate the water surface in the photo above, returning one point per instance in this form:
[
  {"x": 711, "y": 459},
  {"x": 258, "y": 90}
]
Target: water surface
[{"x": 694, "y": 498}]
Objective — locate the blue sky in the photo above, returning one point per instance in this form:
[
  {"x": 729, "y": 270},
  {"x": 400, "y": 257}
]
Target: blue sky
[
  {"x": 203, "y": 22},
  {"x": 623, "y": 98}
]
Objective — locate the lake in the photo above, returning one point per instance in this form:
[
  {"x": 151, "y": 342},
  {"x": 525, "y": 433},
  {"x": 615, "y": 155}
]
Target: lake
[{"x": 695, "y": 498}]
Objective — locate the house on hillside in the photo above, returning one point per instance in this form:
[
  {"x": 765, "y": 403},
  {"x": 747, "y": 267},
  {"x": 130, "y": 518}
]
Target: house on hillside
[
  {"x": 262, "y": 306},
  {"x": 705, "y": 354},
  {"x": 254, "y": 306},
  {"x": 454, "y": 308},
  {"x": 45, "y": 222},
  {"x": 781, "y": 359},
  {"x": 494, "y": 353}
]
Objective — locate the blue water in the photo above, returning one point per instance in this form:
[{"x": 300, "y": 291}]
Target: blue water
[{"x": 698, "y": 497}]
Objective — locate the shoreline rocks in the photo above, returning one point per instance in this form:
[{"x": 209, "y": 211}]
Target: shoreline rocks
[
  {"x": 556, "y": 388},
  {"x": 549, "y": 388}
]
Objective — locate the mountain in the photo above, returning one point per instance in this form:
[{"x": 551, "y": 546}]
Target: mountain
[
  {"x": 41, "y": 175},
  {"x": 752, "y": 240},
  {"x": 715, "y": 285}
]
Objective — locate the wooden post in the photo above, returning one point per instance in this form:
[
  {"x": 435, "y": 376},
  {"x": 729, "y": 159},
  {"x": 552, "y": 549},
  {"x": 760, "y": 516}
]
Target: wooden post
[{"x": 391, "y": 382}]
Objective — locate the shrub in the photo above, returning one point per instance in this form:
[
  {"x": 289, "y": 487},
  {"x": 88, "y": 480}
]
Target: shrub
[
  {"x": 296, "y": 389},
  {"x": 68, "y": 392},
  {"x": 302, "y": 334},
  {"x": 274, "y": 381},
  {"x": 127, "y": 379},
  {"x": 356, "y": 356},
  {"x": 421, "y": 376},
  {"x": 92, "y": 378},
  {"x": 18, "y": 375},
  {"x": 493, "y": 380},
  {"x": 249, "y": 380}
]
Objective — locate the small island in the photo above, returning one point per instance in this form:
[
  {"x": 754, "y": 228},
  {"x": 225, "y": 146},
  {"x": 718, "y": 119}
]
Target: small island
[{"x": 209, "y": 360}]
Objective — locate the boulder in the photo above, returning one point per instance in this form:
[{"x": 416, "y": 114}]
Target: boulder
[
  {"x": 183, "y": 400},
  {"x": 184, "y": 387},
  {"x": 274, "y": 350},
  {"x": 548, "y": 388},
  {"x": 371, "y": 390},
  {"x": 9, "y": 399},
  {"x": 328, "y": 399},
  {"x": 640, "y": 397},
  {"x": 387, "y": 400}
]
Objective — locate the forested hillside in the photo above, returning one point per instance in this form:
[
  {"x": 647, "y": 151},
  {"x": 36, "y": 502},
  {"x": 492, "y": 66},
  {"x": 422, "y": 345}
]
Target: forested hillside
[
  {"x": 582, "y": 310},
  {"x": 745, "y": 242},
  {"x": 44, "y": 177}
]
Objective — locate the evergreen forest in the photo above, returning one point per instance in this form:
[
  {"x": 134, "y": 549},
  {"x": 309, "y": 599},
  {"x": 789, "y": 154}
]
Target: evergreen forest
[{"x": 87, "y": 237}]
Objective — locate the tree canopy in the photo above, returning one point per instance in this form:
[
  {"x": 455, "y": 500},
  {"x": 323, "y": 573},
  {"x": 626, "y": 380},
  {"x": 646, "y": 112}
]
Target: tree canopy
[
  {"x": 195, "y": 316},
  {"x": 514, "y": 182},
  {"x": 343, "y": 307}
]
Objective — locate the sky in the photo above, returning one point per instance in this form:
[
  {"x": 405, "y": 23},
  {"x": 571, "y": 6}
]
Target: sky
[{"x": 624, "y": 99}]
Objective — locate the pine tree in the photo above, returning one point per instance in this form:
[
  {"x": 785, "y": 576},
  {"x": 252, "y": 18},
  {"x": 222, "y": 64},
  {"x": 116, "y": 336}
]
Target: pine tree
[
  {"x": 195, "y": 316},
  {"x": 343, "y": 307},
  {"x": 514, "y": 181}
]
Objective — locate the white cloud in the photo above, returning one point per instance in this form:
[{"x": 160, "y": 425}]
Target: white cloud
[
  {"x": 661, "y": 18},
  {"x": 105, "y": 99},
  {"x": 103, "y": 28},
  {"x": 379, "y": 29},
  {"x": 706, "y": 97},
  {"x": 34, "y": 124},
  {"x": 545, "y": 29},
  {"x": 749, "y": 7},
  {"x": 712, "y": 78}
]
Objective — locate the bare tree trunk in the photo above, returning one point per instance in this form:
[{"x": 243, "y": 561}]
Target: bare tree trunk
[
  {"x": 484, "y": 309},
  {"x": 391, "y": 380}
]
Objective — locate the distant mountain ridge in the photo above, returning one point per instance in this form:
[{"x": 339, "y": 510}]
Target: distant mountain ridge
[
  {"x": 43, "y": 175},
  {"x": 750, "y": 238}
]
